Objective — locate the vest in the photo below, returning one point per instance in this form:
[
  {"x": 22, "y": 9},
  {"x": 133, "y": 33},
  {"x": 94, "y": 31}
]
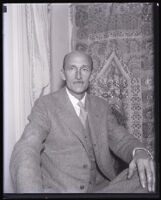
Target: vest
[{"x": 91, "y": 156}]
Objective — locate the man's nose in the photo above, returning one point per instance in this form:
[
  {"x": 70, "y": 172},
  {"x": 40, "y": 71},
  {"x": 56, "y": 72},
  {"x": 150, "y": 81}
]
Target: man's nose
[{"x": 78, "y": 75}]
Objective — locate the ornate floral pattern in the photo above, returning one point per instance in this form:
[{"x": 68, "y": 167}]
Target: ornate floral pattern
[{"x": 119, "y": 38}]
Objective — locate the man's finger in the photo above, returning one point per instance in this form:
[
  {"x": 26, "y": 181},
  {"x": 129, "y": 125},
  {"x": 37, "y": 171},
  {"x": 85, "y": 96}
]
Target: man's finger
[
  {"x": 132, "y": 168},
  {"x": 141, "y": 172},
  {"x": 153, "y": 174},
  {"x": 149, "y": 175}
]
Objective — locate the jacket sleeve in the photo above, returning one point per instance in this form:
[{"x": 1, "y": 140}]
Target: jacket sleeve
[
  {"x": 121, "y": 142},
  {"x": 25, "y": 159}
]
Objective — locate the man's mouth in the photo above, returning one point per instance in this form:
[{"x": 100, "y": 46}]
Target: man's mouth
[{"x": 78, "y": 82}]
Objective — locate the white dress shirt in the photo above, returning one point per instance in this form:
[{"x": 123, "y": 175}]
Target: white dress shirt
[{"x": 75, "y": 101}]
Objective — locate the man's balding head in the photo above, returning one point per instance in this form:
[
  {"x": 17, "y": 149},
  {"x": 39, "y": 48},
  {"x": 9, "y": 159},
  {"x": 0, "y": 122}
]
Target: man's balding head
[{"x": 74, "y": 54}]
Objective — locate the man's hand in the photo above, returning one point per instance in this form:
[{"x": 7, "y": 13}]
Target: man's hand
[{"x": 146, "y": 170}]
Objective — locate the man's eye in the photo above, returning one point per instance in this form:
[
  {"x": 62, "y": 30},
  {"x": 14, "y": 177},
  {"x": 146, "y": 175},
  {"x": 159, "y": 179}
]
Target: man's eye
[
  {"x": 71, "y": 67},
  {"x": 85, "y": 69}
]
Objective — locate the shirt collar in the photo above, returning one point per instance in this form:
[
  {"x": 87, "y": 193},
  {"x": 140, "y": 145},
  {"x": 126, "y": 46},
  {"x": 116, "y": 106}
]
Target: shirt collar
[{"x": 73, "y": 99}]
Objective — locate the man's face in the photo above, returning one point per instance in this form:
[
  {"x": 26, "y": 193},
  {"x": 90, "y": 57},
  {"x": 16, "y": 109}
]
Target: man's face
[{"x": 77, "y": 71}]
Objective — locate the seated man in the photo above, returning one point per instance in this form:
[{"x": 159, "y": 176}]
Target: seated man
[{"x": 65, "y": 147}]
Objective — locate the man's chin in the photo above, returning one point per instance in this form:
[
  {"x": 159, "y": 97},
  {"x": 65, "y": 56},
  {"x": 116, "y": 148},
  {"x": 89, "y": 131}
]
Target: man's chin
[{"x": 78, "y": 90}]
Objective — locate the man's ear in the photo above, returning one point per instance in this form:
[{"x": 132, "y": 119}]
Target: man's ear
[{"x": 62, "y": 74}]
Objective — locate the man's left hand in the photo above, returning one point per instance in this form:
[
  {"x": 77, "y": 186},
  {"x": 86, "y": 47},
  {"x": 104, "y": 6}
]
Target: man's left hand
[{"x": 146, "y": 170}]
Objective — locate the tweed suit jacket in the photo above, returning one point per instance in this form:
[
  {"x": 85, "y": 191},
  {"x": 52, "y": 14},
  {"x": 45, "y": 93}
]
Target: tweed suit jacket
[{"x": 51, "y": 152}]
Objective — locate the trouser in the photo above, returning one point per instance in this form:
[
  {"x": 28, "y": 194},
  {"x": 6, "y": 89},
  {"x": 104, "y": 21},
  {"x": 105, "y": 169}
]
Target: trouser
[{"x": 121, "y": 184}]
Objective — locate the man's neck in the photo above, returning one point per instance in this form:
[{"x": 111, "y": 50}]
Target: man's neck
[{"x": 78, "y": 96}]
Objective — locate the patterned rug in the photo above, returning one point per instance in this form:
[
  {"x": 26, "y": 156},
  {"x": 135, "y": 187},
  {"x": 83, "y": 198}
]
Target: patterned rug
[{"x": 119, "y": 38}]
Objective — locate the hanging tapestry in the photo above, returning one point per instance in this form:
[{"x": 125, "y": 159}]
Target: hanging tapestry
[{"x": 119, "y": 38}]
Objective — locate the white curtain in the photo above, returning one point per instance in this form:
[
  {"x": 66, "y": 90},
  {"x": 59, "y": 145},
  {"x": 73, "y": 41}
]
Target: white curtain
[
  {"x": 37, "y": 33},
  {"x": 26, "y": 69},
  {"x": 32, "y": 57}
]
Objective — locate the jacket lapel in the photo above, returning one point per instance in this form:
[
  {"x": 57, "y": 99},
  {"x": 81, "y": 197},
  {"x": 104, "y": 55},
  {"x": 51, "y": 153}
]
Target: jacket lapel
[
  {"x": 94, "y": 119},
  {"x": 69, "y": 117},
  {"x": 98, "y": 137}
]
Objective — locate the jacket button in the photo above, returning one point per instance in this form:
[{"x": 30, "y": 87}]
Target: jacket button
[
  {"x": 81, "y": 187},
  {"x": 85, "y": 166}
]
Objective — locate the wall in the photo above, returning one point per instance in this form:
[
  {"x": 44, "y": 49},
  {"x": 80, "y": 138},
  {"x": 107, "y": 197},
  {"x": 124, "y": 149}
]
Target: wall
[{"x": 60, "y": 41}]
